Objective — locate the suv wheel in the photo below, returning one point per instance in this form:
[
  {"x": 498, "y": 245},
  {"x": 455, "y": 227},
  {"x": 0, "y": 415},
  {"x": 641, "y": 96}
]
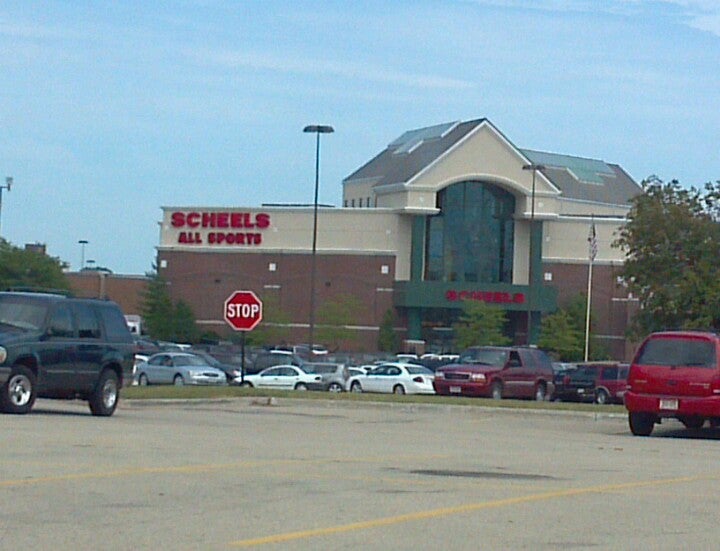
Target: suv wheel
[
  {"x": 601, "y": 397},
  {"x": 335, "y": 387},
  {"x": 692, "y": 422},
  {"x": 104, "y": 397},
  {"x": 540, "y": 392},
  {"x": 497, "y": 390},
  {"x": 641, "y": 424},
  {"x": 18, "y": 393},
  {"x": 356, "y": 387}
]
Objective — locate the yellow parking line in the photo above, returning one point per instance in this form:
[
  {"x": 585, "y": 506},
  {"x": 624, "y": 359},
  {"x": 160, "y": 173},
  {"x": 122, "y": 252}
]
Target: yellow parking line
[
  {"x": 447, "y": 511},
  {"x": 190, "y": 469}
]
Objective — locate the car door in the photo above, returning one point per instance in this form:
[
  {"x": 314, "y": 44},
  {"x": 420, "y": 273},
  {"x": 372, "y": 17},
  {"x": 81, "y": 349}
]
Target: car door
[
  {"x": 270, "y": 378},
  {"x": 515, "y": 376},
  {"x": 56, "y": 352},
  {"x": 393, "y": 374},
  {"x": 90, "y": 348},
  {"x": 374, "y": 380},
  {"x": 159, "y": 369}
]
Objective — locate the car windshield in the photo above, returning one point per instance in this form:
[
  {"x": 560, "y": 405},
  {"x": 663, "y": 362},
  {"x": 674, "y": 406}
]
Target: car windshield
[
  {"x": 671, "y": 351},
  {"x": 484, "y": 356},
  {"x": 418, "y": 370},
  {"x": 189, "y": 361},
  {"x": 22, "y": 313}
]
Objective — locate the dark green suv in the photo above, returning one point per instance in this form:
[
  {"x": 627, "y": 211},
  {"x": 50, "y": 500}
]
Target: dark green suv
[{"x": 52, "y": 346}]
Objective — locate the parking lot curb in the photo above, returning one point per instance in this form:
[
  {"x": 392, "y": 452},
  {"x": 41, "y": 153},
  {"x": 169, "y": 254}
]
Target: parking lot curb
[{"x": 274, "y": 401}]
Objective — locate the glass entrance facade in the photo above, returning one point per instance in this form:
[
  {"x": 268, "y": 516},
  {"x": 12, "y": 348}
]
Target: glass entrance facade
[{"x": 471, "y": 239}]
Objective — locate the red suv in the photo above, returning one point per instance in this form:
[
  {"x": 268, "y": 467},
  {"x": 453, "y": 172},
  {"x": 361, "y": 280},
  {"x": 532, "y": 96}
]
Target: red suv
[
  {"x": 497, "y": 372},
  {"x": 599, "y": 382},
  {"x": 675, "y": 374}
]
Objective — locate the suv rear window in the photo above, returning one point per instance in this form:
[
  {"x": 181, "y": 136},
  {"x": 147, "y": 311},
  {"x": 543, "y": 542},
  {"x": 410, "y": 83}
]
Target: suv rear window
[
  {"x": 672, "y": 351},
  {"x": 22, "y": 312}
]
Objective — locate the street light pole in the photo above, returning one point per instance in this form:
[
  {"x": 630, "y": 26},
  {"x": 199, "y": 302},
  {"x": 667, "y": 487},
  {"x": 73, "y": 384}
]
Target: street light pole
[
  {"x": 82, "y": 242},
  {"x": 316, "y": 129},
  {"x": 531, "y": 275},
  {"x": 7, "y": 186}
]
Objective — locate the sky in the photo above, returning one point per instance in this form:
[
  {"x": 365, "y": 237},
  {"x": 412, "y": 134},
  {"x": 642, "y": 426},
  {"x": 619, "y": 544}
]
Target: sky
[{"x": 110, "y": 110}]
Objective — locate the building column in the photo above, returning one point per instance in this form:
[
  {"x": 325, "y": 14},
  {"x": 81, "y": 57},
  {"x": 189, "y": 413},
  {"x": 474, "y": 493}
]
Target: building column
[{"x": 414, "y": 319}]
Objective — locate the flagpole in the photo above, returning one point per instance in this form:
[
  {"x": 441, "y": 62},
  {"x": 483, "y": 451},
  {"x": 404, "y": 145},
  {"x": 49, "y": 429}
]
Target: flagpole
[
  {"x": 587, "y": 313},
  {"x": 592, "y": 252}
]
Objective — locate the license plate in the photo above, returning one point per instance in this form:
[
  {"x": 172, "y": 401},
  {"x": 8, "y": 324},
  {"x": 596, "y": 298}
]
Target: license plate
[
  {"x": 669, "y": 404},
  {"x": 455, "y": 390}
]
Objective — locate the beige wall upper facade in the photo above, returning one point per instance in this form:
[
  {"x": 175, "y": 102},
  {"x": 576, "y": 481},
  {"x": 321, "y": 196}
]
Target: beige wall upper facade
[{"x": 262, "y": 230}]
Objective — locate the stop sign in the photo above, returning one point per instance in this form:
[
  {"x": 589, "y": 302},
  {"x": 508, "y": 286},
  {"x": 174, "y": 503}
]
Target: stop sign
[{"x": 243, "y": 310}]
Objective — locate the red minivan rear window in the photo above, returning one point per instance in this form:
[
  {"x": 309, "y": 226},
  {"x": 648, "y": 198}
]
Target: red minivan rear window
[{"x": 676, "y": 351}]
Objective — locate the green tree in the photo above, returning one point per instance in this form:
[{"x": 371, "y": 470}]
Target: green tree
[
  {"x": 28, "y": 268},
  {"x": 157, "y": 308},
  {"x": 184, "y": 328},
  {"x": 333, "y": 317},
  {"x": 561, "y": 337},
  {"x": 672, "y": 245},
  {"x": 480, "y": 325},
  {"x": 388, "y": 339}
]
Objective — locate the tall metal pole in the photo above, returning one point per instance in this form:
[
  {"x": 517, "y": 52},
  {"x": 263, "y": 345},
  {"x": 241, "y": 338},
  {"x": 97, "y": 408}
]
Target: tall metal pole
[
  {"x": 82, "y": 242},
  {"x": 317, "y": 130},
  {"x": 313, "y": 261},
  {"x": 531, "y": 254},
  {"x": 7, "y": 186}
]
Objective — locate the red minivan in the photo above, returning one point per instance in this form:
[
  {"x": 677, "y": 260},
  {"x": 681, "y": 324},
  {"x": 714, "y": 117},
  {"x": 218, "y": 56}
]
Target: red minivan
[{"x": 675, "y": 374}]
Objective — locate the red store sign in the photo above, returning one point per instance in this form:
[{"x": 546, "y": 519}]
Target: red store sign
[
  {"x": 495, "y": 297},
  {"x": 244, "y": 227}
]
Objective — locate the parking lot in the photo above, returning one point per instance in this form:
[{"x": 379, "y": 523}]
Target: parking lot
[{"x": 299, "y": 474}]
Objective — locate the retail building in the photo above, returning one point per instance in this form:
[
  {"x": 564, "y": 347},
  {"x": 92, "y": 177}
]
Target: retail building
[{"x": 443, "y": 214}]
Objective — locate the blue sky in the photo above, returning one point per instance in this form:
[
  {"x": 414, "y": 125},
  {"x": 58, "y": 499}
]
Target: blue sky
[{"x": 110, "y": 110}]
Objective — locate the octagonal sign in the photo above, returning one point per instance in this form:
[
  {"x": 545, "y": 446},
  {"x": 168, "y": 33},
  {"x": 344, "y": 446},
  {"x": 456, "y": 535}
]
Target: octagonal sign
[{"x": 243, "y": 310}]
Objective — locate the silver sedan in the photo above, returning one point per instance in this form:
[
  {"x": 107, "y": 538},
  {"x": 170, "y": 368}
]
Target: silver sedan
[{"x": 178, "y": 368}]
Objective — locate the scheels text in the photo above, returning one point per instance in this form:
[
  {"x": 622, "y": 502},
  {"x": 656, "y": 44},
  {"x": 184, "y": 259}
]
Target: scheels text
[
  {"x": 497, "y": 297},
  {"x": 220, "y": 220}
]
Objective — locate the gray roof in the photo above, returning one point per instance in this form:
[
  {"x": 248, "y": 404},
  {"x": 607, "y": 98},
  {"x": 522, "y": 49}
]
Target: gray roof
[{"x": 576, "y": 177}]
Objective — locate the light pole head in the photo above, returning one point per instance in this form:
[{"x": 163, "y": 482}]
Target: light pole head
[
  {"x": 83, "y": 241},
  {"x": 319, "y": 129}
]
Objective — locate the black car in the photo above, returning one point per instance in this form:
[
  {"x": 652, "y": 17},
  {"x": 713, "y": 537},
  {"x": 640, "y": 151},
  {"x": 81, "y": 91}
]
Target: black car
[
  {"x": 231, "y": 371},
  {"x": 52, "y": 346}
]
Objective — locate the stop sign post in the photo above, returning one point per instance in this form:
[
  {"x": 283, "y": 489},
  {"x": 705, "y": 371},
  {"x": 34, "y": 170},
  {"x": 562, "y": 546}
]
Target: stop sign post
[{"x": 243, "y": 312}]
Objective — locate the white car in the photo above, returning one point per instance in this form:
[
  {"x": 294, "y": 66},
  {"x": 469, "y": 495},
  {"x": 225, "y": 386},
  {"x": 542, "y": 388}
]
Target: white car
[
  {"x": 286, "y": 377},
  {"x": 396, "y": 378}
]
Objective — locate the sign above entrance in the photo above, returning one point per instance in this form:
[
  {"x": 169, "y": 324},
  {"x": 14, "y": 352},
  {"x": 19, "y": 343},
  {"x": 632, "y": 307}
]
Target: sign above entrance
[{"x": 495, "y": 297}]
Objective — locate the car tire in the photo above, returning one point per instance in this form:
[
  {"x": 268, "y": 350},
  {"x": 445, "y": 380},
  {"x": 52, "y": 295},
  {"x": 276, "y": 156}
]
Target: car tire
[
  {"x": 18, "y": 394},
  {"x": 497, "y": 390},
  {"x": 399, "y": 389},
  {"x": 335, "y": 387},
  {"x": 602, "y": 397},
  {"x": 540, "y": 392},
  {"x": 178, "y": 380},
  {"x": 301, "y": 386},
  {"x": 106, "y": 394},
  {"x": 356, "y": 387},
  {"x": 641, "y": 424},
  {"x": 246, "y": 384},
  {"x": 692, "y": 422},
  {"x": 143, "y": 380}
]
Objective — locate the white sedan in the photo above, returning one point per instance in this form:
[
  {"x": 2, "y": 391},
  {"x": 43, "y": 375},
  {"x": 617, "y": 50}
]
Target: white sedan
[
  {"x": 396, "y": 378},
  {"x": 286, "y": 377}
]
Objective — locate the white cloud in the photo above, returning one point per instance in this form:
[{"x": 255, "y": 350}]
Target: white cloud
[{"x": 287, "y": 64}]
